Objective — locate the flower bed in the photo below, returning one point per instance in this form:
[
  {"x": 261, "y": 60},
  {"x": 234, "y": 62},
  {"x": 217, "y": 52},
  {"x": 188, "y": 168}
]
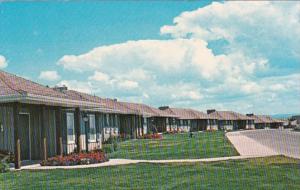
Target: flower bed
[
  {"x": 151, "y": 136},
  {"x": 76, "y": 159},
  {"x": 172, "y": 132}
]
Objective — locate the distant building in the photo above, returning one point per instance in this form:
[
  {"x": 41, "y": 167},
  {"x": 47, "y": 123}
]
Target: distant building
[
  {"x": 266, "y": 122},
  {"x": 294, "y": 121},
  {"x": 229, "y": 120},
  {"x": 190, "y": 119}
]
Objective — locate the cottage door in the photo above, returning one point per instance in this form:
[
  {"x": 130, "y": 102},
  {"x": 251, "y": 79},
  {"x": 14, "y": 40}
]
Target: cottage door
[{"x": 24, "y": 136}]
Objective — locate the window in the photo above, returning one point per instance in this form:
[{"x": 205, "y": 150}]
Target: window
[
  {"x": 92, "y": 135},
  {"x": 107, "y": 120},
  {"x": 112, "y": 121},
  {"x": 116, "y": 121},
  {"x": 70, "y": 128}
]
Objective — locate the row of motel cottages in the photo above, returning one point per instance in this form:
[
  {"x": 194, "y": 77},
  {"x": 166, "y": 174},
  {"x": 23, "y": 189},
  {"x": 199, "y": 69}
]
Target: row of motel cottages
[{"x": 38, "y": 122}]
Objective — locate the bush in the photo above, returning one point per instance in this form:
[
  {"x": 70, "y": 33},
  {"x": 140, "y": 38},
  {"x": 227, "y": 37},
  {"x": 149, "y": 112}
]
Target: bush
[
  {"x": 76, "y": 159},
  {"x": 111, "y": 140},
  {"x": 10, "y": 157},
  {"x": 4, "y": 167},
  {"x": 297, "y": 128},
  {"x": 109, "y": 148}
]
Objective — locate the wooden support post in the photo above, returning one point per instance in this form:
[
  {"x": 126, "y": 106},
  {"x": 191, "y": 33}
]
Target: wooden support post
[
  {"x": 17, "y": 147},
  {"x": 87, "y": 132},
  {"x": 18, "y": 155},
  {"x": 77, "y": 129},
  {"x": 142, "y": 124},
  {"x": 61, "y": 152},
  {"x": 135, "y": 126},
  {"x": 45, "y": 148},
  {"x": 59, "y": 128},
  {"x": 43, "y": 133}
]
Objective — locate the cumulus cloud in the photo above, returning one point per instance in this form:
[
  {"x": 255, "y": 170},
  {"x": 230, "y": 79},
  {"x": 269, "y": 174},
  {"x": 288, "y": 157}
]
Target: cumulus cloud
[
  {"x": 99, "y": 76},
  {"x": 3, "y": 62},
  {"x": 49, "y": 75},
  {"x": 128, "y": 84},
  {"x": 223, "y": 55},
  {"x": 80, "y": 86},
  {"x": 255, "y": 28}
]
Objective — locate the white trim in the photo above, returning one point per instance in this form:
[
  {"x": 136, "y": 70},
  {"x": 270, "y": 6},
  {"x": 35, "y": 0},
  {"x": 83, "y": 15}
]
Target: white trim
[
  {"x": 29, "y": 98},
  {"x": 29, "y": 131}
]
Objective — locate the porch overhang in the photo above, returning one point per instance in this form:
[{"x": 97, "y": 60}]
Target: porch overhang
[{"x": 48, "y": 100}]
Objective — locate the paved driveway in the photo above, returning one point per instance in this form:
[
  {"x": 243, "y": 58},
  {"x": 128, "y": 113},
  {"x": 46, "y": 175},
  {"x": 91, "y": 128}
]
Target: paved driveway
[{"x": 283, "y": 142}]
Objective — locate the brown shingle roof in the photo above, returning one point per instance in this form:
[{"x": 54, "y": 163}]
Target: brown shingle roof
[
  {"x": 28, "y": 91},
  {"x": 265, "y": 119},
  {"x": 110, "y": 104},
  {"x": 13, "y": 85},
  {"x": 144, "y": 109},
  {"x": 229, "y": 115},
  {"x": 185, "y": 113},
  {"x": 262, "y": 119}
]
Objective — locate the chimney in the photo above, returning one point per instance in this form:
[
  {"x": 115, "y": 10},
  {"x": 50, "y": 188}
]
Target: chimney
[
  {"x": 211, "y": 111},
  {"x": 249, "y": 114},
  {"x": 164, "y": 107},
  {"x": 60, "y": 88}
]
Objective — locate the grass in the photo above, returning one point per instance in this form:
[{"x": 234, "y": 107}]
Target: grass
[
  {"x": 179, "y": 146},
  {"x": 261, "y": 173}
]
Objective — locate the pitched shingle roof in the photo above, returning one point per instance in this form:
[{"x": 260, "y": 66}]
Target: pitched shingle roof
[
  {"x": 265, "y": 119},
  {"x": 110, "y": 104},
  {"x": 14, "y": 88},
  {"x": 144, "y": 109},
  {"x": 229, "y": 115},
  {"x": 184, "y": 113},
  {"x": 13, "y": 85}
]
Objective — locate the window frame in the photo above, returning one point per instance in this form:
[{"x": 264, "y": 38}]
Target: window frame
[
  {"x": 92, "y": 120},
  {"x": 69, "y": 114}
]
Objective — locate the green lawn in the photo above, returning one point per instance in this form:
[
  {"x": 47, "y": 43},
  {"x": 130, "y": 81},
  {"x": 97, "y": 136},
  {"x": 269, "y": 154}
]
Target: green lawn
[
  {"x": 263, "y": 173},
  {"x": 179, "y": 146}
]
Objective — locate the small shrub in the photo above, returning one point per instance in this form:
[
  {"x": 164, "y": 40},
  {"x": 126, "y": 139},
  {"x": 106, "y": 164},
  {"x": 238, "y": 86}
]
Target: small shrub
[
  {"x": 10, "y": 157},
  {"x": 108, "y": 148},
  {"x": 4, "y": 167},
  {"x": 111, "y": 140},
  {"x": 297, "y": 128}
]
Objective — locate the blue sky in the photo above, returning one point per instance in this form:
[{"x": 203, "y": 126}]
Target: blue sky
[{"x": 229, "y": 56}]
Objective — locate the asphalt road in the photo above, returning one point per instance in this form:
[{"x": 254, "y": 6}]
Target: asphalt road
[{"x": 284, "y": 142}]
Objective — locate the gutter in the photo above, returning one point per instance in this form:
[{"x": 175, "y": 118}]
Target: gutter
[{"x": 39, "y": 99}]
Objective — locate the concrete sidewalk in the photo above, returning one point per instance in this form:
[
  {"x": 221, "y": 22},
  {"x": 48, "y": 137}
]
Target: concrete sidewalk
[
  {"x": 249, "y": 147},
  {"x": 118, "y": 162}
]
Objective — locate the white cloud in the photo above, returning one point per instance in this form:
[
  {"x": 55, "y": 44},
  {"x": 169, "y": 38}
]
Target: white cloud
[
  {"x": 187, "y": 71},
  {"x": 3, "y": 62},
  {"x": 85, "y": 87},
  {"x": 139, "y": 58},
  {"x": 255, "y": 28},
  {"x": 99, "y": 76},
  {"x": 49, "y": 75},
  {"x": 128, "y": 84}
]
